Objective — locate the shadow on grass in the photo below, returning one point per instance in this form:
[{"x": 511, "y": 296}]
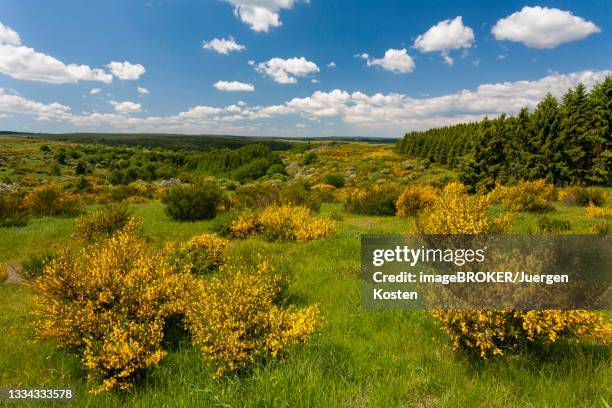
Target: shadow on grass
[{"x": 558, "y": 360}]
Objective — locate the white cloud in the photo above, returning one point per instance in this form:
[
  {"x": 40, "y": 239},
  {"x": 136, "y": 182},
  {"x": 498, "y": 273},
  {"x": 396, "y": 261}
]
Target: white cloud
[
  {"x": 20, "y": 62},
  {"x": 125, "y": 70},
  {"x": 223, "y": 46},
  {"x": 142, "y": 91},
  {"x": 543, "y": 27},
  {"x": 9, "y": 36},
  {"x": 95, "y": 91},
  {"x": 332, "y": 64},
  {"x": 285, "y": 71},
  {"x": 200, "y": 112},
  {"x": 10, "y": 103},
  {"x": 126, "y": 107},
  {"x": 444, "y": 37},
  {"x": 385, "y": 114},
  {"x": 314, "y": 81},
  {"x": 260, "y": 15},
  {"x": 234, "y": 86},
  {"x": 396, "y": 61}
]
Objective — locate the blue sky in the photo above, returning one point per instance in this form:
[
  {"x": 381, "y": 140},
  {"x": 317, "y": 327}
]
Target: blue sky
[{"x": 289, "y": 67}]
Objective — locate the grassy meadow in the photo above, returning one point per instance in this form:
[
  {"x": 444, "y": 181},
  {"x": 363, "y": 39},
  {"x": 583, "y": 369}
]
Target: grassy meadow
[{"x": 358, "y": 359}]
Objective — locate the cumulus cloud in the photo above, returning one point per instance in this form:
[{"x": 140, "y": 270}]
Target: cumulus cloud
[
  {"x": 126, "y": 107},
  {"x": 444, "y": 37},
  {"x": 11, "y": 103},
  {"x": 9, "y": 36},
  {"x": 543, "y": 27},
  {"x": 285, "y": 71},
  {"x": 142, "y": 91},
  {"x": 21, "y": 62},
  {"x": 396, "y": 61},
  {"x": 200, "y": 111},
  {"x": 387, "y": 114},
  {"x": 95, "y": 91},
  {"x": 223, "y": 46},
  {"x": 234, "y": 86},
  {"x": 260, "y": 15},
  {"x": 332, "y": 64},
  {"x": 125, "y": 70}
]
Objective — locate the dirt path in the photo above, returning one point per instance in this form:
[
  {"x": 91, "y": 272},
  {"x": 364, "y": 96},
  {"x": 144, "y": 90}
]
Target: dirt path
[{"x": 13, "y": 270}]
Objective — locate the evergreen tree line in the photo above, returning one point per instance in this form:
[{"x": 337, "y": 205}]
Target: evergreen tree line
[{"x": 565, "y": 142}]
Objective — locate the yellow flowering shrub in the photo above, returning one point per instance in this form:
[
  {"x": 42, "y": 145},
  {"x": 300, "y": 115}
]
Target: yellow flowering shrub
[
  {"x": 245, "y": 226},
  {"x": 598, "y": 212},
  {"x": 102, "y": 223},
  {"x": 525, "y": 196},
  {"x": 202, "y": 254},
  {"x": 283, "y": 223},
  {"x": 414, "y": 199},
  {"x": 499, "y": 332},
  {"x": 241, "y": 323},
  {"x": 456, "y": 212},
  {"x": 110, "y": 300}
]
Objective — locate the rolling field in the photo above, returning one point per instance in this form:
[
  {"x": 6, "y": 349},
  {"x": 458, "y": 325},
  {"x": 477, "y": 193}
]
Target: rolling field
[{"x": 360, "y": 358}]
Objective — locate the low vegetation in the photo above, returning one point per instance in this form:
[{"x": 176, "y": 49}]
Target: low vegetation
[{"x": 187, "y": 276}]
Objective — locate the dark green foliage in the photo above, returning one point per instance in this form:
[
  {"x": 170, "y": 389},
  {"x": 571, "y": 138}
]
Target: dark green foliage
[
  {"x": 334, "y": 179},
  {"x": 373, "y": 201},
  {"x": 244, "y": 164},
  {"x": 45, "y": 149},
  {"x": 60, "y": 156},
  {"x": 310, "y": 158},
  {"x": 80, "y": 168},
  {"x": 566, "y": 143},
  {"x": 193, "y": 202},
  {"x": 34, "y": 265},
  {"x": 13, "y": 212}
]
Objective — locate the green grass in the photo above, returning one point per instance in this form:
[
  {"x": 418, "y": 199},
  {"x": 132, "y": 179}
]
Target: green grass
[{"x": 361, "y": 358}]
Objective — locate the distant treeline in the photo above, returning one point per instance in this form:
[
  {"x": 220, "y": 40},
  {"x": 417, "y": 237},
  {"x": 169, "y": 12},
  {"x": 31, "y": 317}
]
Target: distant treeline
[
  {"x": 565, "y": 143},
  {"x": 127, "y": 164},
  {"x": 167, "y": 141}
]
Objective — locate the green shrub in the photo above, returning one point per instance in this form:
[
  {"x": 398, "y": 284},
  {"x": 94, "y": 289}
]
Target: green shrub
[
  {"x": 377, "y": 200},
  {"x": 13, "y": 211},
  {"x": 51, "y": 201},
  {"x": 310, "y": 158},
  {"x": 193, "y": 202},
  {"x": 102, "y": 223},
  {"x": 299, "y": 193},
  {"x": 276, "y": 169},
  {"x": 256, "y": 195},
  {"x": 582, "y": 196},
  {"x": 552, "y": 225},
  {"x": 334, "y": 179},
  {"x": 223, "y": 222}
]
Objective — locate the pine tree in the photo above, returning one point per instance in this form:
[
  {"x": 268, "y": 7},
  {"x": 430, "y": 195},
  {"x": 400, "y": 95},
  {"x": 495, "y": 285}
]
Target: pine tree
[{"x": 601, "y": 132}]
